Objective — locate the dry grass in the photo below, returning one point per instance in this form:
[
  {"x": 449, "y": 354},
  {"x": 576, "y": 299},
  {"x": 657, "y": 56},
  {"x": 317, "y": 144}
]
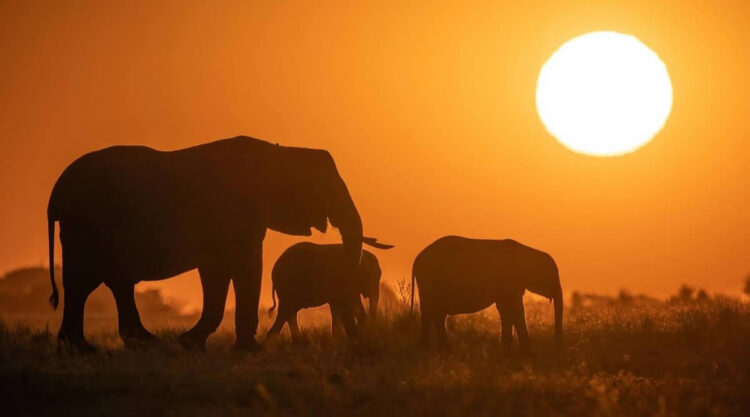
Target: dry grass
[{"x": 621, "y": 359}]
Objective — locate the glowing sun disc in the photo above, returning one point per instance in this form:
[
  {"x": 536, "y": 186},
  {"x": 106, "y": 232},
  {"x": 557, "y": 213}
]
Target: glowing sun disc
[{"x": 604, "y": 94}]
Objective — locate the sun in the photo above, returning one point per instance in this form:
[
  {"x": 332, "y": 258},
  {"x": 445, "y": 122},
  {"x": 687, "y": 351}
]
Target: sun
[{"x": 604, "y": 94}]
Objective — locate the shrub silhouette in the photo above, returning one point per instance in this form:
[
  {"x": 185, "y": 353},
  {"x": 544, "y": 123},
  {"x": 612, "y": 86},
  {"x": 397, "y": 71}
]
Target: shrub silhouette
[{"x": 24, "y": 291}]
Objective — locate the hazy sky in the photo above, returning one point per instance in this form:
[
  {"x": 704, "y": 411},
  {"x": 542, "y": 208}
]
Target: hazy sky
[{"x": 427, "y": 108}]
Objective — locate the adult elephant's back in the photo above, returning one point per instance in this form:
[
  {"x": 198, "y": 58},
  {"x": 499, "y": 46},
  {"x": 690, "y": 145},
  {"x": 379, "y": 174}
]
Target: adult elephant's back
[{"x": 129, "y": 210}]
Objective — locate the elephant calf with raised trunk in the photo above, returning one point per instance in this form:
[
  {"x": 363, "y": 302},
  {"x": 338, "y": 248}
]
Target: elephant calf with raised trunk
[
  {"x": 457, "y": 275},
  {"x": 311, "y": 275}
]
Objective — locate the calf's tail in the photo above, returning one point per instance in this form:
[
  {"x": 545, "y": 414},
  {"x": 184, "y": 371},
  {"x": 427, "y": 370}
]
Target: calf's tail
[{"x": 273, "y": 298}]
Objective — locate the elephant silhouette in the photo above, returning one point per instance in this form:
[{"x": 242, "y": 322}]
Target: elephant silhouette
[
  {"x": 132, "y": 213},
  {"x": 310, "y": 275},
  {"x": 458, "y": 275}
]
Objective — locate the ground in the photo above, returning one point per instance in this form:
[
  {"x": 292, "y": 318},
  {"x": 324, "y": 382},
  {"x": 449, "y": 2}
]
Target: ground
[{"x": 622, "y": 357}]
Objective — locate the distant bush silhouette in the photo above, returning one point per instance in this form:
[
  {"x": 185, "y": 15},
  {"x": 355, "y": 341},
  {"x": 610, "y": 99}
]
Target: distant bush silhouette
[
  {"x": 747, "y": 286},
  {"x": 702, "y": 296},
  {"x": 685, "y": 293},
  {"x": 624, "y": 297},
  {"x": 688, "y": 294},
  {"x": 24, "y": 291},
  {"x": 576, "y": 300}
]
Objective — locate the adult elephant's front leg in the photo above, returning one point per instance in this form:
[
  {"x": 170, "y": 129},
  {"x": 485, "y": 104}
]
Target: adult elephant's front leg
[
  {"x": 215, "y": 283},
  {"x": 247, "y": 278}
]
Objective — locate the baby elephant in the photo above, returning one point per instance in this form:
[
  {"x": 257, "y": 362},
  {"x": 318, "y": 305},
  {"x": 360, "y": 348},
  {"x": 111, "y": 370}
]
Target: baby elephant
[
  {"x": 310, "y": 275},
  {"x": 457, "y": 275}
]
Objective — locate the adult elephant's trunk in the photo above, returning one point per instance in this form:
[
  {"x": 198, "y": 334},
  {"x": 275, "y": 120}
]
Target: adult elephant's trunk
[
  {"x": 343, "y": 215},
  {"x": 352, "y": 245},
  {"x": 558, "y": 301}
]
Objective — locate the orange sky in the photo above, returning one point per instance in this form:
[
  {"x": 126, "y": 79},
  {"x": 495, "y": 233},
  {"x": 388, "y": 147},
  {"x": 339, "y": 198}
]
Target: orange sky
[{"x": 427, "y": 108}]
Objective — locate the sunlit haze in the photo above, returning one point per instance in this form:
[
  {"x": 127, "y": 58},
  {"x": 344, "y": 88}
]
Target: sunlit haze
[{"x": 430, "y": 114}]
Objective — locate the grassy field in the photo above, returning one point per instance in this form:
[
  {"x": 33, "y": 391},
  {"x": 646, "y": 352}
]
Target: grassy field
[{"x": 622, "y": 358}]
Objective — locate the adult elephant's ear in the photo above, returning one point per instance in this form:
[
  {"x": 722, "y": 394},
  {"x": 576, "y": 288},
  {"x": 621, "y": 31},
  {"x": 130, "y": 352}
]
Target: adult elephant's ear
[
  {"x": 306, "y": 191},
  {"x": 296, "y": 200}
]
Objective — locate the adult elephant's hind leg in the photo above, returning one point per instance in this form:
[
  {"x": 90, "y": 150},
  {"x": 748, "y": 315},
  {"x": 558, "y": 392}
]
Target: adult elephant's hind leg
[
  {"x": 215, "y": 283},
  {"x": 78, "y": 284},
  {"x": 132, "y": 331}
]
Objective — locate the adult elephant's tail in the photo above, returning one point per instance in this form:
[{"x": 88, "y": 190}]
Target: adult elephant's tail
[{"x": 54, "y": 299}]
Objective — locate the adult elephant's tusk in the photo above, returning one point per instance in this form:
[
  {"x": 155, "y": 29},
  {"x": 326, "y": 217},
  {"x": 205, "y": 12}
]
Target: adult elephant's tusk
[
  {"x": 374, "y": 243},
  {"x": 368, "y": 240}
]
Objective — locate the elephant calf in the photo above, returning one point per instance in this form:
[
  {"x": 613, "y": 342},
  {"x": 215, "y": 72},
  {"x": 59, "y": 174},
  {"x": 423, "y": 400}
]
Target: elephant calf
[
  {"x": 310, "y": 275},
  {"x": 457, "y": 275}
]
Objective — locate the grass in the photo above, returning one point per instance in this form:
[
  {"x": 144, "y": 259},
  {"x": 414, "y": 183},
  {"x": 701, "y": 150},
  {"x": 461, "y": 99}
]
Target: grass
[{"x": 621, "y": 359}]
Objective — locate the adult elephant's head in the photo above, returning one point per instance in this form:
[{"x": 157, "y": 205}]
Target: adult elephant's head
[{"x": 304, "y": 190}]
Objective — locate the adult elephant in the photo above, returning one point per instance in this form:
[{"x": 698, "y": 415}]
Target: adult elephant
[
  {"x": 132, "y": 213},
  {"x": 458, "y": 275}
]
